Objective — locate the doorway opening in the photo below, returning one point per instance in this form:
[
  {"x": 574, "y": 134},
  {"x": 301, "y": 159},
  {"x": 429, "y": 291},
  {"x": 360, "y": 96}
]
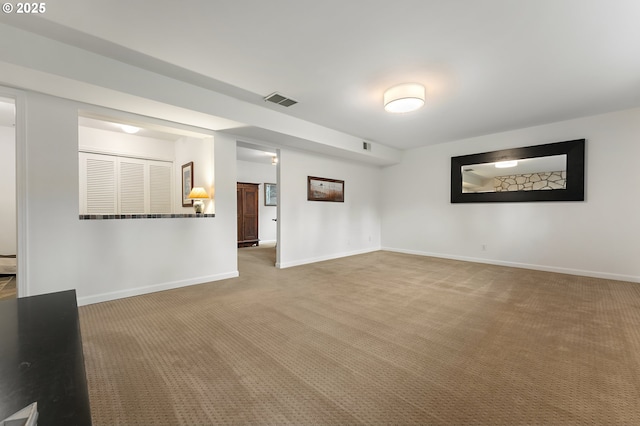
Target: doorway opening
[
  {"x": 8, "y": 207},
  {"x": 258, "y": 198}
]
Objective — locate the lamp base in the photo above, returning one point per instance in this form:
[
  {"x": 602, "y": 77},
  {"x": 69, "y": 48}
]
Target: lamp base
[{"x": 198, "y": 206}]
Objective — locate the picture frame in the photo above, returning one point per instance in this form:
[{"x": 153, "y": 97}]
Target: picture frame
[
  {"x": 323, "y": 189},
  {"x": 187, "y": 184},
  {"x": 574, "y": 150},
  {"x": 270, "y": 194}
]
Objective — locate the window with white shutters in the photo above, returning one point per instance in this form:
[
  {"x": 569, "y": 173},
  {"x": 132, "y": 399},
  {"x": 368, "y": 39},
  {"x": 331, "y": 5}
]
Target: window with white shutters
[
  {"x": 160, "y": 200},
  {"x": 100, "y": 186},
  {"x": 132, "y": 185},
  {"x": 120, "y": 185}
]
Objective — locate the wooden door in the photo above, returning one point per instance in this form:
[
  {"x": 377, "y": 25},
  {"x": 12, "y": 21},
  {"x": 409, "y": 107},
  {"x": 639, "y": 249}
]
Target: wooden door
[{"x": 247, "y": 199}]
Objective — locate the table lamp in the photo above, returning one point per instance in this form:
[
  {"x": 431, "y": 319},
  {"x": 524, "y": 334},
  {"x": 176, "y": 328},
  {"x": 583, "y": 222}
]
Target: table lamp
[{"x": 198, "y": 194}]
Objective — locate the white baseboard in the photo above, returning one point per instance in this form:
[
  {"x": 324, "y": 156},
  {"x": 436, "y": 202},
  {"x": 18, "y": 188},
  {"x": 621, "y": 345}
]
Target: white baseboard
[
  {"x": 137, "y": 291},
  {"x": 323, "y": 258},
  {"x": 268, "y": 241},
  {"x": 569, "y": 271}
]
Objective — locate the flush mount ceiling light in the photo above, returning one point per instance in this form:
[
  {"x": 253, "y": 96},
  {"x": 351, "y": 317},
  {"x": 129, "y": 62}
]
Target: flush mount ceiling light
[
  {"x": 129, "y": 129},
  {"x": 506, "y": 164},
  {"x": 404, "y": 98}
]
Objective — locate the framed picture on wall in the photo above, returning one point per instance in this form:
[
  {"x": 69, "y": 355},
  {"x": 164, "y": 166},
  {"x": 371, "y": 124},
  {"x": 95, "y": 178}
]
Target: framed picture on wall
[
  {"x": 270, "y": 194},
  {"x": 187, "y": 184},
  {"x": 322, "y": 189}
]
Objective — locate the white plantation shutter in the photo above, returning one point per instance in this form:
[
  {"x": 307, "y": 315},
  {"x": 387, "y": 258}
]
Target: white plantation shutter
[
  {"x": 119, "y": 185},
  {"x": 132, "y": 185},
  {"x": 160, "y": 199},
  {"x": 100, "y": 185}
]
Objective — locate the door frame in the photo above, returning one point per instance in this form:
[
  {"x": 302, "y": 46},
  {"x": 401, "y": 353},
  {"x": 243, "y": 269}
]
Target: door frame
[
  {"x": 259, "y": 146},
  {"x": 21, "y": 184}
]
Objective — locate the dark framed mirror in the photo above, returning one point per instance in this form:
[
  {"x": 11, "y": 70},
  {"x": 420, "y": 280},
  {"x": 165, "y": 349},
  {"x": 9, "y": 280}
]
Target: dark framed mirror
[{"x": 549, "y": 172}]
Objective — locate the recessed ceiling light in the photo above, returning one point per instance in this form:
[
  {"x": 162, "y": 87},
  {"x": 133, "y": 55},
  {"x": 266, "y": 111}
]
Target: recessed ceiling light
[
  {"x": 404, "y": 98},
  {"x": 129, "y": 129}
]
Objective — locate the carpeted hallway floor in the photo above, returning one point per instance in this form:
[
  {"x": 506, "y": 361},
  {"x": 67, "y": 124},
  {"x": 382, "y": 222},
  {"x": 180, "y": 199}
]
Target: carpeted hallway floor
[
  {"x": 7, "y": 287},
  {"x": 380, "y": 338},
  {"x": 7, "y": 277}
]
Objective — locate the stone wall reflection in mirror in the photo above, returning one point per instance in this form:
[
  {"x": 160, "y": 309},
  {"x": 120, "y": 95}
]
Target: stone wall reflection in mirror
[{"x": 528, "y": 174}]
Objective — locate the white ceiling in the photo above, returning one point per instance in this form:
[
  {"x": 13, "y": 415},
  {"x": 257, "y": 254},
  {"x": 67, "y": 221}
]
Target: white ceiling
[
  {"x": 146, "y": 129},
  {"x": 488, "y": 65}
]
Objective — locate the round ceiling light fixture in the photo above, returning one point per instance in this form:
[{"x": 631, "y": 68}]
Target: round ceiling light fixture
[
  {"x": 405, "y": 97},
  {"x": 506, "y": 164},
  {"x": 129, "y": 129}
]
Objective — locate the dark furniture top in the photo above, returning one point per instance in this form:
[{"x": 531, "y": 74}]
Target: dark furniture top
[{"x": 41, "y": 359}]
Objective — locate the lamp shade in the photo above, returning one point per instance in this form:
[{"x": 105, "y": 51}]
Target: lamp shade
[
  {"x": 198, "y": 193},
  {"x": 404, "y": 98}
]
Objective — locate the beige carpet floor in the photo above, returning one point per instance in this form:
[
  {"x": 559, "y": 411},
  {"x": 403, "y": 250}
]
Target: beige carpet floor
[
  {"x": 7, "y": 265},
  {"x": 7, "y": 287},
  {"x": 379, "y": 338}
]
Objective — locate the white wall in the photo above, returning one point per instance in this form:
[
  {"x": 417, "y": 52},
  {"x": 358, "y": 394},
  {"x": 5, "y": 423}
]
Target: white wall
[
  {"x": 7, "y": 191},
  {"x": 598, "y": 237},
  {"x": 118, "y": 143},
  {"x": 108, "y": 259},
  {"x": 312, "y": 230},
  {"x": 251, "y": 172}
]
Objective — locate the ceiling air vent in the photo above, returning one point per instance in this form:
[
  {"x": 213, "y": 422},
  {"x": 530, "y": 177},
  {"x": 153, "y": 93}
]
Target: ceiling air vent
[{"x": 277, "y": 98}]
